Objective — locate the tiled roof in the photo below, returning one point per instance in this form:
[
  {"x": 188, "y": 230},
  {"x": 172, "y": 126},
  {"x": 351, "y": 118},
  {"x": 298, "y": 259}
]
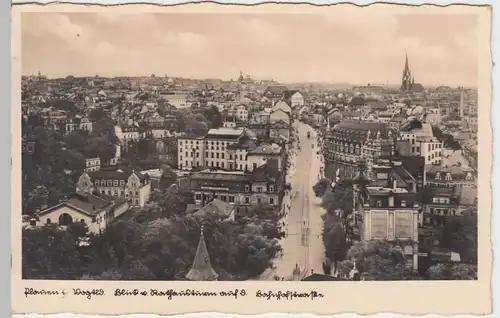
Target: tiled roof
[
  {"x": 266, "y": 149},
  {"x": 87, "y": 203},
  {"x": 114, "y": 175},
  {"x": 215, "y": 207},
  {"x": 202, "y": 268}
]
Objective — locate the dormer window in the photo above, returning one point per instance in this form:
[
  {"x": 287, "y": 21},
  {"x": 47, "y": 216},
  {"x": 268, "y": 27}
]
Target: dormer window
[
  {"x": 468, "y": 177},
  {"x": 448, "y": 176},
  {"x": 438, "y": 176},
  {"x": 391, "y": 201},
  {"x": 403, "y": 203}
]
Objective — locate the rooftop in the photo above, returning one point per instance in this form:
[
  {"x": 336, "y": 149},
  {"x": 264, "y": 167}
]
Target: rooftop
[
  {"x": 266, "y": 149},
  {"x": 224, "y": 132}
]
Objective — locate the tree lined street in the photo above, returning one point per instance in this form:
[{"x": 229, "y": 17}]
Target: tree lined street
[{"x": 302, "y": 246}]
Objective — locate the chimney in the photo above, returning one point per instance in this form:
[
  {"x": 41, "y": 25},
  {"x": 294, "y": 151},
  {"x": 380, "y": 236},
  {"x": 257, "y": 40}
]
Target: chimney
[{"x": 394, "y": 184}]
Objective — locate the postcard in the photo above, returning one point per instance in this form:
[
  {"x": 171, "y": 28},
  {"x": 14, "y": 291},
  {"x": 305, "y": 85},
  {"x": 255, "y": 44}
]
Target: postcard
[{"x": 251, "y": 159}]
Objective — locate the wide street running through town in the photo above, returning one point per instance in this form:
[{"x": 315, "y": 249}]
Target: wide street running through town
[{"x": 303, "y": 245}]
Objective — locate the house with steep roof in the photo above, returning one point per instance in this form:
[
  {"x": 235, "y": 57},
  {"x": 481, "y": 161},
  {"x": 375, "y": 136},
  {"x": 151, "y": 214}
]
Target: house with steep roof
[{"x": 218, "y": 208}]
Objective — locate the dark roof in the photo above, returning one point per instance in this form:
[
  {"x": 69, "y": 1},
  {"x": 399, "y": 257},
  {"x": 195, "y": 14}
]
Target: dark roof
[
  {"x": 202, "y": 268},
  {"x": 429, "y": 192},
  {"x": 377, "y": 105},
  {"x": 289, "y": 93},
  {"x": 114, "y": 175},
  {"x": 215, "y": 207},
  {"x": 358, "y": 130},
  {"x": 87, "y": 203},
  {"x": 321, "y": 277},
  {"x": 276, "y": 89},
  {"x": 415, "y": 165},
  {"x": 268, "y": 172}
]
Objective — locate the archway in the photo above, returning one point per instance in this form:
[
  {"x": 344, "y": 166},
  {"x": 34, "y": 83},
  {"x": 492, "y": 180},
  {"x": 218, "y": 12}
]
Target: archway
[{"x": 65, "y": 219}]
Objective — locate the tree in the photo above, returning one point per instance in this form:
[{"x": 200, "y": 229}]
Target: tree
[
  {"x": 105, "y": 128},
  {"x": 459, "y": 234},
  {"x": 100, "y": 147},
  {"x": 321, "y": 186},
  {"x": 168, "y": 177},
  {"x": 448, "y": 271},
  {"x": 380, "y": 260},
  {"x": 213, "y": 115},
  {"x": 49, "y": 252}
]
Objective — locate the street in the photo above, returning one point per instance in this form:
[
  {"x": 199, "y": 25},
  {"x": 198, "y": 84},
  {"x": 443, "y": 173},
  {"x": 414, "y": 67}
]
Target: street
[{"x": 303, "y": 245}]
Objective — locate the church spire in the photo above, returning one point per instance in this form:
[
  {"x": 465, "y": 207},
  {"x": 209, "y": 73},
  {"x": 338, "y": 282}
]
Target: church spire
[
  {"x": 407, "y": 65},
  {"x": 202, "y": 268}
]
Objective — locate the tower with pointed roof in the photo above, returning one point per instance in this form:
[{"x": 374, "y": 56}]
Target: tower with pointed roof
[
  {"x": 202, "y": 270},
  {"x": 407, "y": 78}
]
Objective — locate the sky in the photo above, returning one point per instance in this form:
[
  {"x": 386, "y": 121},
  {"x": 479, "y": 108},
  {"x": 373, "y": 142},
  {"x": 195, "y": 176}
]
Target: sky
[{"x": 355, "y": 48}]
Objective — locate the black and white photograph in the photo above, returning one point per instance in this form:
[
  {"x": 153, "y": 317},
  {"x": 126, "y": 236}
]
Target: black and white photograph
[{"x": 250, "y": 147}]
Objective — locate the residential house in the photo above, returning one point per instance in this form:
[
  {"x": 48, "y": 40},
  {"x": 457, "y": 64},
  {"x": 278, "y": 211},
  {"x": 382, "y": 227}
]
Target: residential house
[
  {"x": 133, "y": 186},
  {"x": 450, "y": 176},
  {"x": 260, "y": 155},
  {"x": 92, "y": 164}
]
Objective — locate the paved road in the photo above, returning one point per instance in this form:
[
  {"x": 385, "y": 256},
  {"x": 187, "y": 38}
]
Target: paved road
[{"x": 303, "y": 246}]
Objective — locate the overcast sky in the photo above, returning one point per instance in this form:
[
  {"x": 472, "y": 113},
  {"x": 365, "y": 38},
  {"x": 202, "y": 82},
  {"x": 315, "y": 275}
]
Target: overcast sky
[{"x": 355, "y": 48}]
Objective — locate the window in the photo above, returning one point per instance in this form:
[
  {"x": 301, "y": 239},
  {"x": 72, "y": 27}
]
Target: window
[
  {"x": 217, "y": 155},
  {"x": 448, "y": 176},
  {"x": 378, "y": 203},
  {"x": 230, "y": 157},
  {"x": 49, "y": 221},
  {"x": 271, "y": 188},
  {"x": 391, "y": 201},
  {"x": 115, "y": 183},
  {"x": 247, "y": 188},
  {"x": 403, "y": 203},
  {"x": 259, "y": 200},
  {"x": 212, "y": 155},
  {"x": 231, "y": 198},
  {"x": 223, "y": 198},
  {"x": 271, "y": 200},
  {"x": 438, "y": 176},
  {"x": 122, "y": 182},
  {"x": 110, "y": 182},
  {"x": 259, "y": 189},
  {"x": 222, "y": 156}
]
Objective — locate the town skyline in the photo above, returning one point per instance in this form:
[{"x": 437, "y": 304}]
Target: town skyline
[{"x": 264, "y": 46}]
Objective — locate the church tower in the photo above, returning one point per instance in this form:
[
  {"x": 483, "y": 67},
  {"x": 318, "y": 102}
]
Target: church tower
[
  {"x": 202, "y": 268},
  {"x": 407, "y": 79}
]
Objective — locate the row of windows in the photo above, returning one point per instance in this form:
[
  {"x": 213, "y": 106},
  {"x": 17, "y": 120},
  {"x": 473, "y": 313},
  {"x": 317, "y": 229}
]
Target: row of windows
[
  {"x": 113, "y": 183},
  {"x": 206, "y": 142},
  {"x": 443, "y": 211},
  {"x": 121, "y": 193},
  {"x": 230, "y": 198},
  {"x": 216, "y": 156},
  {"x": 433, "y": 146},
  {"x": 212, "y": 164}
]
